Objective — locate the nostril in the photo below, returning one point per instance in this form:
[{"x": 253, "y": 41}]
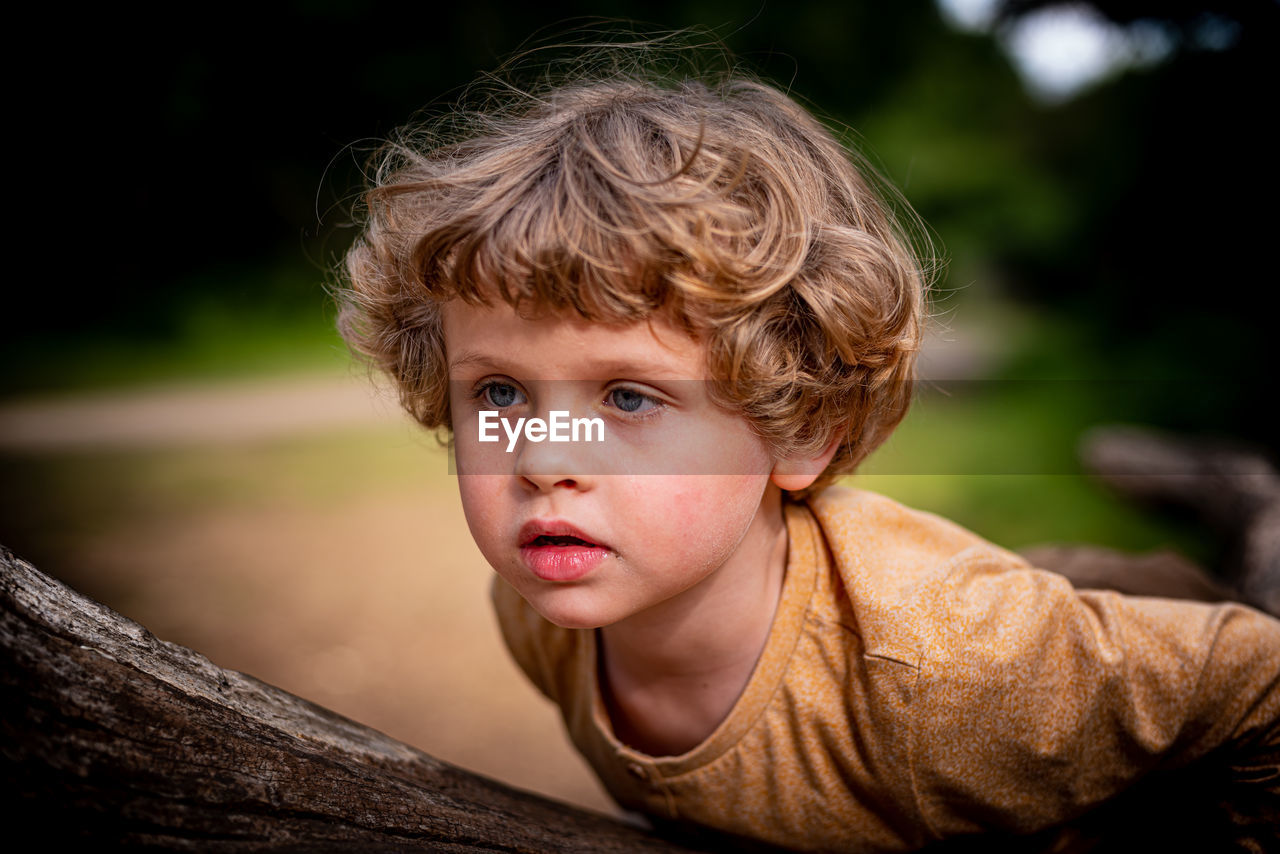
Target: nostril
[{"x": 547, "y": 482}]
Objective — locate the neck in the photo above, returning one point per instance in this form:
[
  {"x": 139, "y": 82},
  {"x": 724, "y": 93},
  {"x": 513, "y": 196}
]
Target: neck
[{"x": 671, "y": 674}]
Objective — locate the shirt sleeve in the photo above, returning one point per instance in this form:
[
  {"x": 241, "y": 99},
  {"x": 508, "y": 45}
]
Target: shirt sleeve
[{"x": 1038, "y": 702}]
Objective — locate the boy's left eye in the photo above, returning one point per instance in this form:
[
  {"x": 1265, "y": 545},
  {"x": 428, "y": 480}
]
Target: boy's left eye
[{"x": 629, "y": 400}]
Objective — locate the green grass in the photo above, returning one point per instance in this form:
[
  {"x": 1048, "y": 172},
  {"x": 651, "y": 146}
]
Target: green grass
[
  {"x": 106, "y": 487},
  {"x": 1001, "y": 459},
  {"x": 255, "y": 321},
  {"x": 1017, "y": 511},
  {"x": 213, "y": 344},
  {"x": 56, "y": 505}
]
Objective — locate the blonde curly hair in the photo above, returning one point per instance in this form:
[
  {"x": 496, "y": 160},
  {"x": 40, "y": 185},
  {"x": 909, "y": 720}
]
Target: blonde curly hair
[{"x": 718, "y": 203}]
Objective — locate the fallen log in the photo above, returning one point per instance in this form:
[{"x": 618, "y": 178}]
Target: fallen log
[
  {"x": 112, "y": 736},
  {"x": 1235, "y": 490}
]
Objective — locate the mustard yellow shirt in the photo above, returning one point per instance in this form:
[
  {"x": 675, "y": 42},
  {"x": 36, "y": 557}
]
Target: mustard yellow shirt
[{"x": 920, "y": 683}]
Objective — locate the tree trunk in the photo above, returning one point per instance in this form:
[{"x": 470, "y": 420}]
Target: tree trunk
[{"x": 114, "y": 737}]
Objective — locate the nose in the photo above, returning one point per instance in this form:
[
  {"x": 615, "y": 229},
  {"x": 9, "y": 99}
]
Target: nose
[
  {"x": 545, "y": 466},
  {"x": 547, "y": 483}
]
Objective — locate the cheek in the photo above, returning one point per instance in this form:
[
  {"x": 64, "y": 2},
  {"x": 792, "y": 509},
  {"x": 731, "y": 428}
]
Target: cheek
[
  {"x": 482, "y": 504},
  {"x": 471, "y": 456},
  {"x": 703, "y": 518}
]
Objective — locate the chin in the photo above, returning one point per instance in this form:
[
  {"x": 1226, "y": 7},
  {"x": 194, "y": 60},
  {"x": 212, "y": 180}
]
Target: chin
[{"x": 573, "y": 609}]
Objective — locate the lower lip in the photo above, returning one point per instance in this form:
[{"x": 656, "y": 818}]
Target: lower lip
[{"x": 562, "y": 563}]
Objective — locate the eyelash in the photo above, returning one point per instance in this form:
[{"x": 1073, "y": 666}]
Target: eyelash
[{"x": 481, "y": 392}]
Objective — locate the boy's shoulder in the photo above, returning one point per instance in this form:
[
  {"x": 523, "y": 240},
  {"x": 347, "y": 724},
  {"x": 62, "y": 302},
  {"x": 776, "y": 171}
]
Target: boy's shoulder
[
  {"x": 916, "y": 587},
  {"x": 978, "y": 622},
  {"x": 883, "y": 550},
  {"x": 867, "y": 528}
]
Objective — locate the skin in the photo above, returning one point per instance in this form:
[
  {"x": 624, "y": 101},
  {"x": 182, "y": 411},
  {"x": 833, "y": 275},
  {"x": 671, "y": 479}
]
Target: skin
[{"x": 681, "y": 547}]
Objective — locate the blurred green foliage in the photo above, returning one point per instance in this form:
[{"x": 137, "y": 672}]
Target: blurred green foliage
[{"x": 177, "y": 172}]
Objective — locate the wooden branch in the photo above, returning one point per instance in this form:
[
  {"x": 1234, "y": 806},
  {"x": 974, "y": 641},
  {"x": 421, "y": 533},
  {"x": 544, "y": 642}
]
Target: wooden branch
[
  {"x": 112, "y": 736},
  {"x": 1160, "y": 573},
  {"x": 1234, "y": 489}
]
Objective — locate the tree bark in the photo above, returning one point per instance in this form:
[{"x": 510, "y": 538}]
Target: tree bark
[
  {"x": 112, "y": 736},
  {"x": 1233, "y": 489}
]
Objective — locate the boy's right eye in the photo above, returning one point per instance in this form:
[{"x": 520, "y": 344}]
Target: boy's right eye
[{"x": 501, "y": 395}]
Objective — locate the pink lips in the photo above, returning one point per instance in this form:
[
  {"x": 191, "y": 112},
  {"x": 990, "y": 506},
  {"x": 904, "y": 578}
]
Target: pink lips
[{"x": 557, "y": 551}]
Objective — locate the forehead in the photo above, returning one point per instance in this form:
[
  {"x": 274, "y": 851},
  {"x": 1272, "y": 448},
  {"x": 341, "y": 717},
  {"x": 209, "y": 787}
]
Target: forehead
[{"x": 563, "y": 345}]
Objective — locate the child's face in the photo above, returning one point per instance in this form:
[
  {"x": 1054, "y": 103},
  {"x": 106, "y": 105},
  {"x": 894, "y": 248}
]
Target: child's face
[{"x": 592, "y": 533}]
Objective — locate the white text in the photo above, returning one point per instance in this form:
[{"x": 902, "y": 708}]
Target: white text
[{"x": 559, "y": 428}]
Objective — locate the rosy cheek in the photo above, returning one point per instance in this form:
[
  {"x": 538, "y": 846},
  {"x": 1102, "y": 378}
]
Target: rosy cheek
[
  {"x": 681, "y": 497},
  {"x": 708, "y": 514}
]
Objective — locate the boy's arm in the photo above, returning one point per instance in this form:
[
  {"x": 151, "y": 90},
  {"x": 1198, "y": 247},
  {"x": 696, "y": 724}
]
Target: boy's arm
[{"x": 1042, "y": 702}]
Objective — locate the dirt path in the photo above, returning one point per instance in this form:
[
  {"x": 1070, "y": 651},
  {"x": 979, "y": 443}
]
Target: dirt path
[
  {"x": 374, "y": 606},
  {"x": 296, "y": 529},
  {"x": 196, "y": 414}
]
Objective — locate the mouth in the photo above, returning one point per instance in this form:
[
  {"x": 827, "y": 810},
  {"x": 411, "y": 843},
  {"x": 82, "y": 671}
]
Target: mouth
[
  {"x": 555, "y": 534},
  {"x": 546, "y": 540},
  {"x": 558, "y": 552}
]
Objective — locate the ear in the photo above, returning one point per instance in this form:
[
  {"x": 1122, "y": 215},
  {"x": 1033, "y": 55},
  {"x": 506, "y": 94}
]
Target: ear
[{"x": 799, "y": 472}]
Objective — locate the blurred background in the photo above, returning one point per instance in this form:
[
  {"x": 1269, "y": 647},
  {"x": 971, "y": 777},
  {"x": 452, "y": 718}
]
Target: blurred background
[{"x": 183, "y": 436}]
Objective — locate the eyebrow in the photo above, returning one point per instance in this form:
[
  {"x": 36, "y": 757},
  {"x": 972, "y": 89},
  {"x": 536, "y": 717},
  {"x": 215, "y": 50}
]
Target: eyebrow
[
  {"x": 469, "y": 358},
  {"x": 608, "y": 368}
]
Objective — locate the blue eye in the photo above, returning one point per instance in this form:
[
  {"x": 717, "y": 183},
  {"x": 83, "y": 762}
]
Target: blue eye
[
  {"x": 502, "y": 395},
  {"x": 630, "y": 400}
]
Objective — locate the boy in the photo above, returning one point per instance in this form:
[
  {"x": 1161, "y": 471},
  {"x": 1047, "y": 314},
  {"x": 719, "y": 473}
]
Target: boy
[{"x": 702, "y": 279}]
